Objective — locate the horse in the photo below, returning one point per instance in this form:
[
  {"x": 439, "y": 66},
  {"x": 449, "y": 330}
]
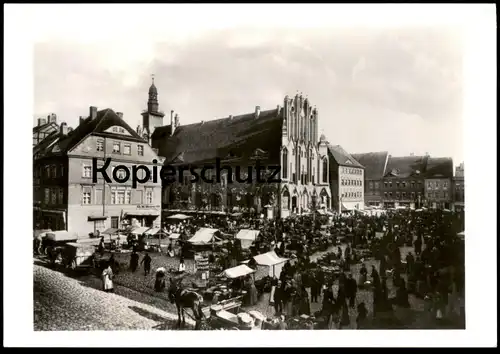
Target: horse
[{"x": 185, "y": 298}]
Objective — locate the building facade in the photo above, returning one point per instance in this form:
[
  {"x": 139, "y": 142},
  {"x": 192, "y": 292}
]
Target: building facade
[
  {"x": 438, "y": 183},
  {"x": 403, "y": 182},
  {"x": 65, "y": 194},
  {"x": 283, "y": 139},
  {"x": 346, "y": 180},
  {"x": 458, "y": 203},
  {"x": 374, "y": 164}
]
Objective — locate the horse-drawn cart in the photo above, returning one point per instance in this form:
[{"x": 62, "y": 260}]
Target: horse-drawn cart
[{"x": 78, "y": 255}]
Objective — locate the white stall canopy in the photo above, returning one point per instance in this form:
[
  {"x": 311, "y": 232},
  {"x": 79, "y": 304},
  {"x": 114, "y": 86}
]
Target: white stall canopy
[
  {"x": 139, "y": 230},
  {"x": 179, "y": 217},
  {"x": 204, "y": 236},
  {"x": 270, "y": 264},
  {"x": 247, "y": 237},
  {"x": 237, "y": 272},
  {"x": 62, "y": 235}
]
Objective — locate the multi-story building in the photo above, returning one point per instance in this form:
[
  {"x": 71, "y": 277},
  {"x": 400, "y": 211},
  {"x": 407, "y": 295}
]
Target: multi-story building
[
  {"x": 438, "y": 182},
  {"x": 346, "y": 180},
  {"x": 458, "y": 203},
  {"x": 67, "y": 196},
  {"x": 403, "y": 182},
  {"x": 44, "y": 128},
  {"x": 375, "y": 164},
  {"x": 285, "y": 137}
]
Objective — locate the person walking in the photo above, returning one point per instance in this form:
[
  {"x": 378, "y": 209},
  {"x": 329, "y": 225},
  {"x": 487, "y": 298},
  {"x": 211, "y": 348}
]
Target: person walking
[
  {"x": 134, "y": 261},
  {"x": 147, "y": 264},
  {"x": 351, "y": 289},
  {"x": 362, "y": 316},
  {"x": 107, "y": 279}
]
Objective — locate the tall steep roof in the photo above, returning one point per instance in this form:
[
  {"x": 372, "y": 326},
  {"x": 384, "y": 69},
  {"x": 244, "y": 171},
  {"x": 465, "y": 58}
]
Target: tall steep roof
[
  {"x": 406, "y": 166},
  {"x": 439, "y": 167},
  {"x": 342, "y": 157},
  {"x": 237, "y": 136},
  {"x": 374, "y": 163}
]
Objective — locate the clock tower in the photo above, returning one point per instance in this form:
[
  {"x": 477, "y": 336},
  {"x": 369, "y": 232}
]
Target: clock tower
[{"x": 152, "y": 117}]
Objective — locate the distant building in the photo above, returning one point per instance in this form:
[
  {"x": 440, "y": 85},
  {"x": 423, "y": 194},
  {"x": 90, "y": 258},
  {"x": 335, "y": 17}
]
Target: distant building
[
  {"x": 44, "y": 128},
  {"x": 65, "y": 196},
  {"x": 458, "y": 203},
  {"x": 286, "y": 137},
  {"x": 152, "y": 117},
  {"x": 438, "y": 182},
  {"x": 346, "y": 180},
  {"x": 374, "y": 164},
  {"x": 403, "y": 183}
]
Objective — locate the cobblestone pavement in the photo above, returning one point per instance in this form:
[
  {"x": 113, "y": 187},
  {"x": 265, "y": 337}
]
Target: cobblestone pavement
[{"x": 63, "y": 303}]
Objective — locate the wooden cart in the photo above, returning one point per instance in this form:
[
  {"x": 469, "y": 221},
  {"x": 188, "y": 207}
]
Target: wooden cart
[{"x": 78, "y": 255}]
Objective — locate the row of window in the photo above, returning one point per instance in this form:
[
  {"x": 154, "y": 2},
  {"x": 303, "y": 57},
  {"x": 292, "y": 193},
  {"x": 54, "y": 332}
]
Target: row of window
[
  {"x": 49, "y": 171},
  {"x": 412, "y": 184},
  {"x": 308, "y": 174},
  {"x": 119, "y": 196},
  {"x": 401, "y": 195},
  {"x": 436, "y": 184},
  {"x": 352, "y": 171},
  {"x": 352, "y": 195},
  {"x": 351, "y": 182},
  {"x": 117, "y": 147},
  {"x": 120, "y": 174},
  {"x": 53, "y": 196},
  {"x": 432, "y": 195}
]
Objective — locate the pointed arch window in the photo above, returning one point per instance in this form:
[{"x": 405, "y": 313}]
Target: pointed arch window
[
  {"x": 285, "y": 163},
  {"x": 325, "y": 171}
]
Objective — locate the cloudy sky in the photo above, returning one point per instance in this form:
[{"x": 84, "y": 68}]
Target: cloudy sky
[{"x": 397, "y": 89}]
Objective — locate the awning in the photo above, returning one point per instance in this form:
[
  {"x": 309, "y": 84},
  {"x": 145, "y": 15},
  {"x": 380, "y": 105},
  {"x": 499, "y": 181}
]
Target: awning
[
  {"x": 96, "y": 217},
  {"x": 110, "y": 231},
  {"x": 236, "y": 214},
  {"x": 155, "y": 231},
  {"x": 53, "y": 211},
  {"x": 179, "y": 217},
  {"x": 139, "y": 230},
  {"x": 246, "y": 234},
  {"x": 269, "y": 259},
  {"x": 204, "y": 236},
  {"x": 62, "y": 236},
  {"x": 143, "y": 213},
  {"x": 41, "y": 233},
  {"x": 174, "y": 236},
  {"x": 238, "y": 271}
]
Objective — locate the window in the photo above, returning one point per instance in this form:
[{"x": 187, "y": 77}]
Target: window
[
  {"x": 412, "y": 184},
  {"x": 325, "y": 171},
  {"x": 121, "y": 130},
  {"x": 127, "y": 196},
  {"x": 46, "y": 198},
  {"x": 99, "y": 225},
  {"x": 61, "y": 196},
  {"x": 140, "y": 150},
  {"x": 403, "y": 184},
  {"x": 53, "y": 171},
  {"x": 385, "y": 184},
  {"x": 412, "y": 195},
  {"x": 87, "y": 196},
  {"x": 385, "y": 194},
  {"x": 445, "y": 185},
  {"x": 87, "y": 171},
  {"x": 403, "y": 194},
  {"x": 126, "y": 149},
  {"x": 61, "y": 171},
  {"x": 120, "y": 195},
  {"x": 47, "y": 171},
  {"x": 149, "y": 196},
  {"x": 115, "y": 129},
  {"x": 285, "y": 163},
  {"x": 100, "y": 145},
  {"x": 116, "y": 148},
  {"x": 397, "y": 184},
  {"x": 437, "y": 184},
  {"x": 390, "y": 194},
  {"x": 446, "y": 194},
  {"x": 114, "y": 222},
  {"x": 377, "y": 185},
  {"x": 120, "y": 174},
  {"x": 390, "y": 184}
]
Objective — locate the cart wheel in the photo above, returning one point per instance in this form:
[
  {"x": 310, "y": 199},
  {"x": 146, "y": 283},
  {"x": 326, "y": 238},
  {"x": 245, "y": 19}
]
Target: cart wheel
[{"x": 73, "y": 264}]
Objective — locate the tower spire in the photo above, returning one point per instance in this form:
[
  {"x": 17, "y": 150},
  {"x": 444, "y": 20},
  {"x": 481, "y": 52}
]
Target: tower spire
[{"x": 153, "y": 79}]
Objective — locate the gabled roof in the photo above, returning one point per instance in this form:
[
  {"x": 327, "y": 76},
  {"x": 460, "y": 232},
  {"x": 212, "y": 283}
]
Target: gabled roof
[
  {"x": 342, "y": 157},
  {"x": 374, "y": 163},
  {"x": 237, "y": 136},
  {"x": 105, "y": 119},
  {"x": 45, "y": 143},
  {"x": 406, "y": 166},
  {"x": 439, "y": 167},
  {"x": 45, "y": 127}
]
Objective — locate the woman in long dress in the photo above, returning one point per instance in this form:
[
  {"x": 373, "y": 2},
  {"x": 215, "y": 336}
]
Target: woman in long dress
[{"x": 107, "y": 279}]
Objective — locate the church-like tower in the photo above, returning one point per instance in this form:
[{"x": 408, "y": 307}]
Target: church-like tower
[{"x": 152, "y": 118}]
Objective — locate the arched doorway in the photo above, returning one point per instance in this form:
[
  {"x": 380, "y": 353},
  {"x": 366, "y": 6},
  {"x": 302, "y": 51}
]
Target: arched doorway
[
  {"x": 285, "y": 200},
  {"x": 324, "y": 198},
  {"x": 294, "y": 203}
]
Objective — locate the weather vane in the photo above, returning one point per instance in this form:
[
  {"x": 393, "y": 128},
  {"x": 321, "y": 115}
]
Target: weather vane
[{"x": 153, "y": 78}]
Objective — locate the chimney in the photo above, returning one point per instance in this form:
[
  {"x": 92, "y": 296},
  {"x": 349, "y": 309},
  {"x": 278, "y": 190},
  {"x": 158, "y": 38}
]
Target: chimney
[
  {"x": 230, "y": 117},
  {"x": 41, "y": 121},
  {"x": 82, "y": 119},
  {"x": 53, "y": 118},
  {"x": 172, "y": 126},
  {"x": 64, "y": 128},
  {"x": 93, "y": 112},
  {"x": 412, "y": 154},
  {"x": 278, "y": 109},
  {"x": 257, "y": 111},
  {"x": 120, "y": 114},
  {"x": 176, "y": 121}
]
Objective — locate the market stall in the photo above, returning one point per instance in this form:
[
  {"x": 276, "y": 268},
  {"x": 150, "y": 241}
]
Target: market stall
[
  {"x": 237, "y": 272},
  {"x": 205, "y": 236},
  {"x": 178, "y": 217},
  {"x": 269, "y": 264},
  {"x": 247, "y": 237}
]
